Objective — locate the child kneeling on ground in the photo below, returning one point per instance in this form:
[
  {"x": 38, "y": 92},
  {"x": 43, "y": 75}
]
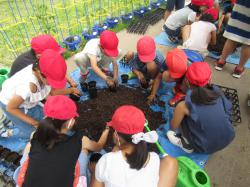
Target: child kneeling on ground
[
  {"x": 57, "y": 156},
  {"x": 204, "y": 116},
  {"x": 98, "y": 54},
  {"x": 147, "y": 62},
  {"x": 176, "y": 61},
  {"x": 200, "y": 34},
  {"x": 21, "y": 93},
  {"x": 131, "y": 164}
]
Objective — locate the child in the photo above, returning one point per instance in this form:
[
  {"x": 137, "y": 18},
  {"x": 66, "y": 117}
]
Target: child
[
  {"x": 99, "y": 53},
  {"x": 131, "y": 164},
  {"x": 56, "y": 156},
  {"x": 21, "y": 93},
  {"x": 182, "y": 17},
  {"x": 147, "y": 62},
  {"x": 204, "y": 116},
  {"x": 199, "y": 34},
  {"x": 176, "y": 61},
  {"x": 38, "y": 45}
]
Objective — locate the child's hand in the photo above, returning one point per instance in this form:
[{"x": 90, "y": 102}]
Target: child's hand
[
  {"x": 75, "y": 91},
  {"x": 73, "y": 83},
  {"x": 150, "y": 99},
  {"x": 110, "y": 82},
  {"x": 141, "y": 78}
]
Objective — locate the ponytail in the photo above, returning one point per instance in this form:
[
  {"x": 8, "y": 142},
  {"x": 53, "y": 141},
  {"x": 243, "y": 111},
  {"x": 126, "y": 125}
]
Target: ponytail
[
  {"x": 138, "y": 157},
  {"x": 48, "y": 132}
]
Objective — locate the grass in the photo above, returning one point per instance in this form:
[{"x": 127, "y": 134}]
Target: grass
[{"x": 23, "y": 19}]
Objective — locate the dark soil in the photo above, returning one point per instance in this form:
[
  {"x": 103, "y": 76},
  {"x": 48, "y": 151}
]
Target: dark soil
[{"x": 94, "y": 113}]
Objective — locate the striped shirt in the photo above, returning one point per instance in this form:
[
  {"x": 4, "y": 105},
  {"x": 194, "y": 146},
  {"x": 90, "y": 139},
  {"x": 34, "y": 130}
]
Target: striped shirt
[{"x": 238, "y": 28}]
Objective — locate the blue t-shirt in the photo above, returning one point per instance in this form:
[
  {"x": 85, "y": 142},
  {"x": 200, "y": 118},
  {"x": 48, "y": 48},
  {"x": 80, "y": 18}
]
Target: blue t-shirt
[
  {"x": 137, "y": 64},
  {"x": 208, "y": 127}
]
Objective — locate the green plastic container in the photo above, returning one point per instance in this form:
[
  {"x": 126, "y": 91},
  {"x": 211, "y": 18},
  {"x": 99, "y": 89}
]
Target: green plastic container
[
  {"x": 131, "y": 75},
  {"x": 4, "y": 74},
  {"x": 190, "y": 174}
]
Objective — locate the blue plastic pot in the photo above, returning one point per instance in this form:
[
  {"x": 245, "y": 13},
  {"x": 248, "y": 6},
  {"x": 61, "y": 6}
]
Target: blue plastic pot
[
  {"x": 127, "y": 17},
  {"x": 100, "y": 29},
  {"x": 140, "y": 12},
  {"x": 112, "y": 22},
  {"x": 93, "y": 34},
  {"x": 72, "y": 42},
  {"x": 155, "y": 5}
]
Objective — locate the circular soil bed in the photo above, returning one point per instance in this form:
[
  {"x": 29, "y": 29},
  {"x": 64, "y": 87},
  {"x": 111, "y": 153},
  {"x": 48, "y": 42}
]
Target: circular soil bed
[{"x": 94, "y": 113}]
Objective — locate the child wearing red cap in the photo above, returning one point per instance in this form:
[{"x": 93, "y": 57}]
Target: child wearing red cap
[
  {"x": 98, "y": 54},
  {"x": 21, "y": 93},
  {"x": 176, "y": 61},
  {"x": 204, "y": 116},
  {"x": 147, "y": 62},
  {"x": 38, "y": 45},
  {"x": 184, "y": 16},
  {"x": 201, "y": 33},
  {"x": 57, "y": 156},
  {"x": 131, "y": 164}
]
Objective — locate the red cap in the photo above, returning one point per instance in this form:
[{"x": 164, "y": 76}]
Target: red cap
[
  {"x": 128, "y": 119},
  {"x": 214, "y": 12},
  {"x": 60, "y": 107},
  {"x": 43, "y": 42},
  {"x": 176, "y": 62},
  {"x": 109, "y": 43},
  {"x": 146, "y": 49},
  {"x": 199, "y": 74},
  {"x": 208, "y": 3},
  {"x": 53, "y": 66}
]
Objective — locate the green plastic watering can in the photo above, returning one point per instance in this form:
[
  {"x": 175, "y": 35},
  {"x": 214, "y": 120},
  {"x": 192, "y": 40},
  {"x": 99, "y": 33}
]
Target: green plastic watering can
[{"x": 4, "y": 74}]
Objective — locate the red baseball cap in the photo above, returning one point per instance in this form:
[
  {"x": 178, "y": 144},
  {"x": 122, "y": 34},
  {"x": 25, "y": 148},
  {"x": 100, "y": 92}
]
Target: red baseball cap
[
  {"x": 53, "y": 67},
  {"x": 214, "y": 12},
  {"x": 109, "y": 43},
  {"x": 60, "y": 107},
  {"x": 146, "y": 49},
  {"x": 208, "y": 3},
  {"x": 128, "y": 119},
  {"x": 199, "y": 74},
  {"x": 176, "y": 60},
  {"x": 43, "y": 42}
]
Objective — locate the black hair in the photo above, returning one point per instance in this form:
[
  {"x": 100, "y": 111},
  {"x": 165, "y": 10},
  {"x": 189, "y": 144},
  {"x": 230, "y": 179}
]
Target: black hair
[
  {"x": 204, "y": 95},
  {"x": 207, "y": 17},
  {"x": 138, "y": 157},
  {"x": 95, "y": 157},
  {"x": 195, "y": 8},
  {"x": 48, "y": 132}
]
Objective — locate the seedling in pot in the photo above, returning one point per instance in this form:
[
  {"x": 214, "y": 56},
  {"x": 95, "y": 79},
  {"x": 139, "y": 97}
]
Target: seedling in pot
[{"x": 124, "y": 78}]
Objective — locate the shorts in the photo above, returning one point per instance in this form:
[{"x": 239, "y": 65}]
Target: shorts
[
  {"x": 82, "y": 60},
  {"x": 178, "y": 4},
  {"x": 172, "y": 33}
]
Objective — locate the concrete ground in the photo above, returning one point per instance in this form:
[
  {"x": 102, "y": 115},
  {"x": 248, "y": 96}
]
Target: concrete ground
[{"x": 231, "y": 166}]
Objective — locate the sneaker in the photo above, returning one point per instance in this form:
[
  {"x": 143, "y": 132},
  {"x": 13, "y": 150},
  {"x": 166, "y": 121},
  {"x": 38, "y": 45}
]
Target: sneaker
[
  {"x": 179, "y": 141},
  {"x": 179, "y": 96},
  {"x": 238, "y": 72},
  {"x": 220, "y": 64}
]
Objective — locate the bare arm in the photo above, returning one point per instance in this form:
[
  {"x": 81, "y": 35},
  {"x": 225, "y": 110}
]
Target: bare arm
[
  {"x": 115, "y": 68},
  {"x": 95, "y": 68},
  {"x": 13, "y": 108},
  {"x": 65, "y": 91},
  {"x": 71, "y": 81},
  {"x": 140, "y": 76},
  {"x": 89, "y": 145},
  {"x": 168, "y": 172},
  {"x": 94, "y": 182},
  {"x": 156, "y": 84},
  {"x": 213, "y": 38},
  {"x": 220, "y": 22},
  {"x": 179, "y": 113}
]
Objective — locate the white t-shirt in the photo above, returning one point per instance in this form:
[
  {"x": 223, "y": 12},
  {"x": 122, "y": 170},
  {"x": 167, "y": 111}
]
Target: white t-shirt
[
  {"x": 180, "y": 18},
  {"x": 92, "y": 48},
  {"x": 113, "y": 170},
  {"x": 200, "y": 36},
  {"x": 19, "y": 84}
]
